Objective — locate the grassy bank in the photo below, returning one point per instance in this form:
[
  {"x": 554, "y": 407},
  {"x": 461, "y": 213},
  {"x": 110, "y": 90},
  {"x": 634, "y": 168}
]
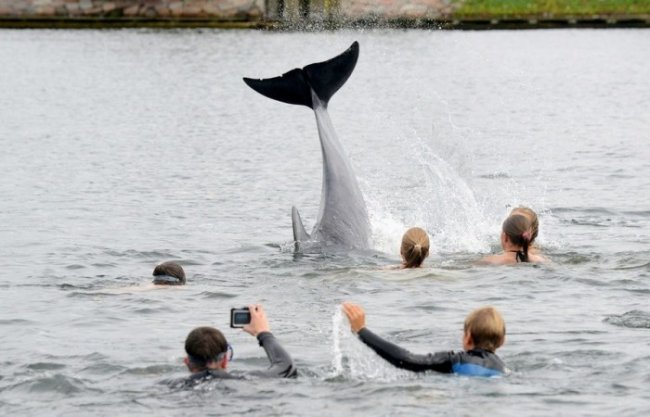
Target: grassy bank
[{"x": 550, "y": 8}]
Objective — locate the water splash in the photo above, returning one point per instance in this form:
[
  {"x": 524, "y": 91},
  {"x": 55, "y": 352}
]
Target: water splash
[
  {"x": 436, "y": 197},
  {"x": 352, "y": 359}
]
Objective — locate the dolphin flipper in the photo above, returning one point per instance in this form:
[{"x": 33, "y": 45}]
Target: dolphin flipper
[
  {"x": 325, "y": 78},
  {"x": 299, "y": 232}
]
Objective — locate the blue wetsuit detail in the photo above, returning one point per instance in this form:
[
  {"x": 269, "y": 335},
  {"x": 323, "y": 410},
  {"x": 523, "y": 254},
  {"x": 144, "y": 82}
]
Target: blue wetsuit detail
[
  {"x": 472, "y": 369},
  {"x": 476, "y": 362}
]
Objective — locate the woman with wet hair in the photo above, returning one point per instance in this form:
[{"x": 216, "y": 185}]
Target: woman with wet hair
[
  {"x": 516, "y": 237},
  {"x": 415, "y": 247},
  {"x": 534, "y": 226}
]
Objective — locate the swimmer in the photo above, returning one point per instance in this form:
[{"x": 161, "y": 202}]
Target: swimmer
[
  {"x": 484, "y": 332},
  {"x": 516, "y": 236},
  {"x": 168, "y": 273},
  {"x": 534, "y": 225},
  {"x": 414, "y": 249},
  {"x": 209, "y": 354}
]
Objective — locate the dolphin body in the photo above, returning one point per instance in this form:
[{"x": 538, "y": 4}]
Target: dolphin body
[{"x": 342, "y": 216}]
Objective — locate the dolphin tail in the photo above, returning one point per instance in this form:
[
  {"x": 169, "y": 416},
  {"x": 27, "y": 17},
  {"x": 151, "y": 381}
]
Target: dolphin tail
[
  {"x": 299, "y": 232},
  {"x": 325, "y": 78}
]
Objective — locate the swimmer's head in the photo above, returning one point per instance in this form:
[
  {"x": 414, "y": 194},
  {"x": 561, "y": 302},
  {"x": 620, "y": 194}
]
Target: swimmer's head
[
  {"x": 517, "y": 231},
  {"x": 484, "y": 329},
  {"x": 206, "y": 348},
  {"x": 169, "y": 273},
  {"x": 532, "y": 217},
  {"x": 415, "y": 247}
]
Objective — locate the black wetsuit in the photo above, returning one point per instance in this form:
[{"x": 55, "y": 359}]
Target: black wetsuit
[
  {"x": 476, "y": 362},
  {"x": 281, "y": 366}
]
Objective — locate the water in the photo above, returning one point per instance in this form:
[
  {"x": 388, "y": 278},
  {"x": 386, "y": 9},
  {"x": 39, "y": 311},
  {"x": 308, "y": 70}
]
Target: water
[{"x": 123, "y": 149}]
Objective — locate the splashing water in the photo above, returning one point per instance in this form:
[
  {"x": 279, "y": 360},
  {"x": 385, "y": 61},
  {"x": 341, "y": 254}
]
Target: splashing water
[
  {"x": 442, "y": 203},
  {"x": 352, "y": 359}
]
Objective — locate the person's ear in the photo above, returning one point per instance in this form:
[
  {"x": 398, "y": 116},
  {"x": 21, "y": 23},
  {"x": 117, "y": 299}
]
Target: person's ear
[
  {"x": 468, "y": 342},
  {"x": 224, "y": 362},
  {"x": 186, "y": 361}
]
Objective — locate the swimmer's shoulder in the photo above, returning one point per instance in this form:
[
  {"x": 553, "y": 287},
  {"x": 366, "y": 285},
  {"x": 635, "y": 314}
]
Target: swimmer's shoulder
[
  {"x": 493, "y": 260},
  {"x": 391, "y": 267}
]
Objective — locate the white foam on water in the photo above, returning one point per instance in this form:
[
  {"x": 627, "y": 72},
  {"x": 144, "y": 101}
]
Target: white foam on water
[
  {"x": 435, "y": 197},
  {"x": 352, "y": 359}
]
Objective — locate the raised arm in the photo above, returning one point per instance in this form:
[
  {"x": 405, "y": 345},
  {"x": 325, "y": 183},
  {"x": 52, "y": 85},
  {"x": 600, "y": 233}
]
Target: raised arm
[
  {"x": 402, "y": 358},
  {"x": 281, "y": 363},
  {"x": 397, "y": 356}
]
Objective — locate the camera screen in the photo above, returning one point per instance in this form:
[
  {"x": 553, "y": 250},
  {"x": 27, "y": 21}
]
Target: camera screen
[{"x": 239, "y": 318}]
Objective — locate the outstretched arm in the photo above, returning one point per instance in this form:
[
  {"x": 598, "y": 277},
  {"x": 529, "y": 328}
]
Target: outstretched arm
[
  {"x": 281, "y": 363},
  {"x": 397, "y": 356}
]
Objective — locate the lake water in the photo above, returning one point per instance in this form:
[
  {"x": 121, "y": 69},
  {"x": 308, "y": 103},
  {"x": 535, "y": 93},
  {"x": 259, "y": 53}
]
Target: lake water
[{"x": 123, "y": 149}]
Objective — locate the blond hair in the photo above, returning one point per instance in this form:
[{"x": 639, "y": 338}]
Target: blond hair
[
  {"x": 487, "y": 328},
  {"x": 415, "y": 247}
]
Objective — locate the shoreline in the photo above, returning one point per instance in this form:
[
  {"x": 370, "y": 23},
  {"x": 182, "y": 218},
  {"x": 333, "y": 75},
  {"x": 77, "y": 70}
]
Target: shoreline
[{"x": 484, "y": 22}]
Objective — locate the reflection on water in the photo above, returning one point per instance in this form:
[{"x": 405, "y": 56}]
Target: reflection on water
[{"x": 123, "y": 149}]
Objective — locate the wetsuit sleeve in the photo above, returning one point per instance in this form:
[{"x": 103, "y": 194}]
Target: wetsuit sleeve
[
  {"x": 281, "y": 363},
  {"x": 402, "y": 358}
]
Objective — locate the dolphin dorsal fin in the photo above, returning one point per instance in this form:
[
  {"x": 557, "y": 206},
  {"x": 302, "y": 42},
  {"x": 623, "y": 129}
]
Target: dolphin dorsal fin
[
  {"x": 299, "y": 232},
  {"x": 325, "y": 78}
]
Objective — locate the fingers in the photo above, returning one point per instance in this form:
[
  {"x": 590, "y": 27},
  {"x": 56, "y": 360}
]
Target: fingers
[
  {"x": 256, "y": 309},
  {"x": 259, "y": 322},
  {"x": 352, "y": 310},
  {"x": 356, "y": 316}
]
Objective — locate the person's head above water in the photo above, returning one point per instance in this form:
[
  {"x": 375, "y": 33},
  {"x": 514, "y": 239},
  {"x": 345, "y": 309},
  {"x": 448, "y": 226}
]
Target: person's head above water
[
  {"x": 484, "y": 329},
  {"x": 532, "y": 217},
  {"x": 415, "y": 247},
  {"x": 516, "y": 236},
  {"x": 206, "y": 348},
  {"x": 169, "y": 273}
]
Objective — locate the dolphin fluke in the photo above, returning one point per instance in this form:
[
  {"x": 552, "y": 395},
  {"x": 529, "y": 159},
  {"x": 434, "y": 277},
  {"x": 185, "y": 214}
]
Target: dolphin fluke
[
  {"x": 342, "y": 213},
  {"x": 325, "y": 78}
]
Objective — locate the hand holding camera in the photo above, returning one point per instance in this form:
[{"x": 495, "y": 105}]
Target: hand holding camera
[{"x": 252, "y": 319}]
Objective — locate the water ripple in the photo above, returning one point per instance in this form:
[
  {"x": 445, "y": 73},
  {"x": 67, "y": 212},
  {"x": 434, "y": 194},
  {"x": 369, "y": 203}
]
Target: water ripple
[{"x": 635, "y": 319}]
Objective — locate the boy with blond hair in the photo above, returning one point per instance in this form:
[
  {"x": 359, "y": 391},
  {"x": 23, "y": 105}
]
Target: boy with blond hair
[{"x": 484, "y": 332}]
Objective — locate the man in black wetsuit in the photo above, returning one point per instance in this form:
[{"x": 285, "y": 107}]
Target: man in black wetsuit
[
  {"x": 208, "y": 352},
  {"x": 484, "y": 332}
]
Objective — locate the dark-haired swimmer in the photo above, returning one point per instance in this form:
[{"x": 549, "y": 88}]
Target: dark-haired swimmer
[
  {"x": 516, "y": 236},
  {"x": 484, "y": 333},
  {"x": 208, "y": 353},
  {"x": 165, "y": 275},
  {"x": 169, "y": 273}
]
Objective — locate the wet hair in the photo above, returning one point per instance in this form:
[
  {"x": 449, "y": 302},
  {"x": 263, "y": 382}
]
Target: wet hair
[
  {"x": 415, "y": 247},
  {"x": 203, "y": 345},
  {"x": 487, "y": 328},
  {"x": 517, "y": 228},
  {"x": 532, "y": 217},
  {"x": 169, "y": 269}
]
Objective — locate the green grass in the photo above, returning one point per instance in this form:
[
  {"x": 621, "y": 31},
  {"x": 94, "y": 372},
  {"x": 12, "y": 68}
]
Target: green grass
[{"x": 469, "y": 8}]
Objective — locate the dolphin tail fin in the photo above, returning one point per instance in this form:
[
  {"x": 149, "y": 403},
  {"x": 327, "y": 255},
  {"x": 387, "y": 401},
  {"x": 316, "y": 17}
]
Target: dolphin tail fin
[
  {"x": 299, "y": 232},
  {"x": 325, "y": 78}
]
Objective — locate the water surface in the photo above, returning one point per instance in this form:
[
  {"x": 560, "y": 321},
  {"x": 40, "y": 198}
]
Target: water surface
[{"x": 123, "y": 149}]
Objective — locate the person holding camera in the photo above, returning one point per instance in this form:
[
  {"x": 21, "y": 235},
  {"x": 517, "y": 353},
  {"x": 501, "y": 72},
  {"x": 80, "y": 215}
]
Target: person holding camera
[{"x": 208, "y": 351}]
